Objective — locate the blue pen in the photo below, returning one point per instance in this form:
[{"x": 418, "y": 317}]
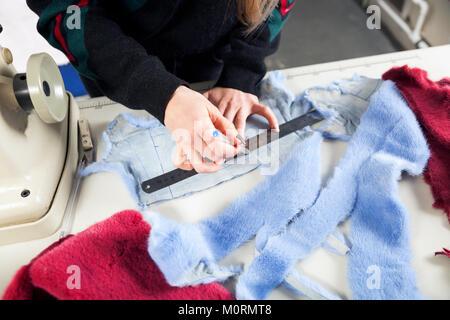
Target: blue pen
[{"x": 216, "y": 134}]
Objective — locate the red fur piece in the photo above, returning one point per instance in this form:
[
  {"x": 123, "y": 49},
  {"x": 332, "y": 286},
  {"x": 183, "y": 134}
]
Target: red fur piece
[
  {"x": 430, "y": 101},
  {"x": 113, "y": 262},
  {"x": 444, "y": 252}
]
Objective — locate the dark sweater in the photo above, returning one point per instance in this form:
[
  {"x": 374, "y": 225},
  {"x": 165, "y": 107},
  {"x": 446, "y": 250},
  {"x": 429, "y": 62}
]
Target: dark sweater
[{"x": 130, "y": 48}]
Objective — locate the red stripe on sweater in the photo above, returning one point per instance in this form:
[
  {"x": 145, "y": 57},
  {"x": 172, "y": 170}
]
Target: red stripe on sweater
[
  {"x": 58, "y": 33},
  {"x": 60, "y": 38},
  {"x": 83, "y": 3},
  {"x": 284, "y": 8}
]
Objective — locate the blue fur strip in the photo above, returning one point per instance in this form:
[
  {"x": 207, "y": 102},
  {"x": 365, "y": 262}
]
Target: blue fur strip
[
  {"x": 387, "y": 142},
  {"x": 291, "y": 217}
]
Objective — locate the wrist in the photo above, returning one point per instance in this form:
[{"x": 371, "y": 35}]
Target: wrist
[{"x": 172, "y": 101}]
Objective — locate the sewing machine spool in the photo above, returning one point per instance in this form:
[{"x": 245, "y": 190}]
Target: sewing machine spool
[{"x": 42, "y": 88}]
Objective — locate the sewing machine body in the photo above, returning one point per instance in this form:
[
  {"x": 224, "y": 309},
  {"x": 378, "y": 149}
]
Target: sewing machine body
[
  {"x": 37, "y": 158},
  {"x": 104, "y": 194}
]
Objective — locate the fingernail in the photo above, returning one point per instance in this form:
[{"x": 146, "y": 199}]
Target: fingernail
[{"x": 241, "y": 139}]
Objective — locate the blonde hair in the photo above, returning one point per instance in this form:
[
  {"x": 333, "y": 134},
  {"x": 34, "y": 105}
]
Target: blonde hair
[{"x": 252, "y": 13}]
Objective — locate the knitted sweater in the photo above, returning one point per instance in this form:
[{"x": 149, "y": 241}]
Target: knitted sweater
[{"x": 130, "y": 47}]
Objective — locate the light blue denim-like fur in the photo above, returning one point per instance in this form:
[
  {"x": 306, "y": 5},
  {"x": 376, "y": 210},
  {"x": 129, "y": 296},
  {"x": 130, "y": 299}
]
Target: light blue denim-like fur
[{"x": 141, "y": 148}]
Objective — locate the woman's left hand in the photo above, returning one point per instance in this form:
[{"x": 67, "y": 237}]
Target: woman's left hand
[{"x": 237, "y": 106}]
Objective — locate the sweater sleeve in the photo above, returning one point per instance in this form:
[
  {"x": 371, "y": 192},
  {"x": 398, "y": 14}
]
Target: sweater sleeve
[
  {"x": 100, "y": 50},
  {"x": 244, "y": 64}
]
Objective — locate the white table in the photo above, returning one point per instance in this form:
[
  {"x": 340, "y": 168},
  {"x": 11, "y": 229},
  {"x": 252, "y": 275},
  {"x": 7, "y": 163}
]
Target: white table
[{"x": 104, "y": 194}]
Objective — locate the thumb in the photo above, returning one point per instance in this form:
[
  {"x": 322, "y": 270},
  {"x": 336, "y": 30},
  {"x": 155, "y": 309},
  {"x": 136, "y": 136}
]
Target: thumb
[{"x": 224, "y": 125}]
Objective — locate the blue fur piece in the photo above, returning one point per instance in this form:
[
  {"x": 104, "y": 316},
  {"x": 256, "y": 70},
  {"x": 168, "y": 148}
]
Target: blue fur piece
[
  {"x": 308, "y": 288},
  {"x": 387, "y": 142},
  {"x": 291, "y": 216},
  {"x": 178, "y": 248}
]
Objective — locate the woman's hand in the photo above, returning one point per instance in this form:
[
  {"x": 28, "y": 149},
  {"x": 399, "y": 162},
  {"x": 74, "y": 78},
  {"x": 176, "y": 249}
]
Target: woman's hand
[
  {"x": 193, "y": 120},
  {"x": 237, "y": 106}
]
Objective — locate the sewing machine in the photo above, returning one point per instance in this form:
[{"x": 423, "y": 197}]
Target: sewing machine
[
  {"x": 40, "y": 150},
  {"x": 38, "y": 126}
]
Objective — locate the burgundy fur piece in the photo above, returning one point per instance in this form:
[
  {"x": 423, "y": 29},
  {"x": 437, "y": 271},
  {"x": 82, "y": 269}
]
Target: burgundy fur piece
[
  {"x": 430, "y": 101},
  {"x": 113, "y": 264}
]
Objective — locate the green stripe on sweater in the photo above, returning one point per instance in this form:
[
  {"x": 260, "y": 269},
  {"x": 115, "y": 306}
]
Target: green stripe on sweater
[
  {"x": 275, "y": 24},
  {"x": 74, "y": 38},
  {"x": 75, "y": 43},
  {"x": 276, "y": 20}
]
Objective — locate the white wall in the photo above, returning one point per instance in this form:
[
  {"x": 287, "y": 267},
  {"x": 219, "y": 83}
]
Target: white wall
[{"x": 20, "y": 34}]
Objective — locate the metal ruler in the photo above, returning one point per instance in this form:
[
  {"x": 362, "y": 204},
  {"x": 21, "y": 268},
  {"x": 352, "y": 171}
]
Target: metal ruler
[{"x": 169, "y": 178}]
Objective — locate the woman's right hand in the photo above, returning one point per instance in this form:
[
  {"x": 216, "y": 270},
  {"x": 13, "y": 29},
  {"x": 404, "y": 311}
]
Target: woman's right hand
[{"x": 192, "y": 120}]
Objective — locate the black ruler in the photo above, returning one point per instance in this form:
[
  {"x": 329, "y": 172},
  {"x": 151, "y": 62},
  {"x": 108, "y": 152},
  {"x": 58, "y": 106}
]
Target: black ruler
[{"x": 177, "y": 175}]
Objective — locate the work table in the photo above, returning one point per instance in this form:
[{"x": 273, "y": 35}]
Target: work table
[{"x": 103, "y": 194}]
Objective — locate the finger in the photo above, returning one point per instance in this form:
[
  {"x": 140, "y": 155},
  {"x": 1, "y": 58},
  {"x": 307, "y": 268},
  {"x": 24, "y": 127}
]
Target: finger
[
  {"x": 225, "y": 126},
  {"x": 218, "y": 150},
  {"x": 223, "y": 104},
  {"x": 206, "y": 94},
  {"x": 267, "y": 113},
  {"x": 212, "y": 147},
  {"x": 181, "y": 136},
  {"x": 186, "y": 166},
  {"x": 240, "y": 121},
  {"x": 231, "y": 111},
  {"x": 203, "y": 129},
  {"x": 204, "y": 167},
  {"x": 180, "y": 159}
]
